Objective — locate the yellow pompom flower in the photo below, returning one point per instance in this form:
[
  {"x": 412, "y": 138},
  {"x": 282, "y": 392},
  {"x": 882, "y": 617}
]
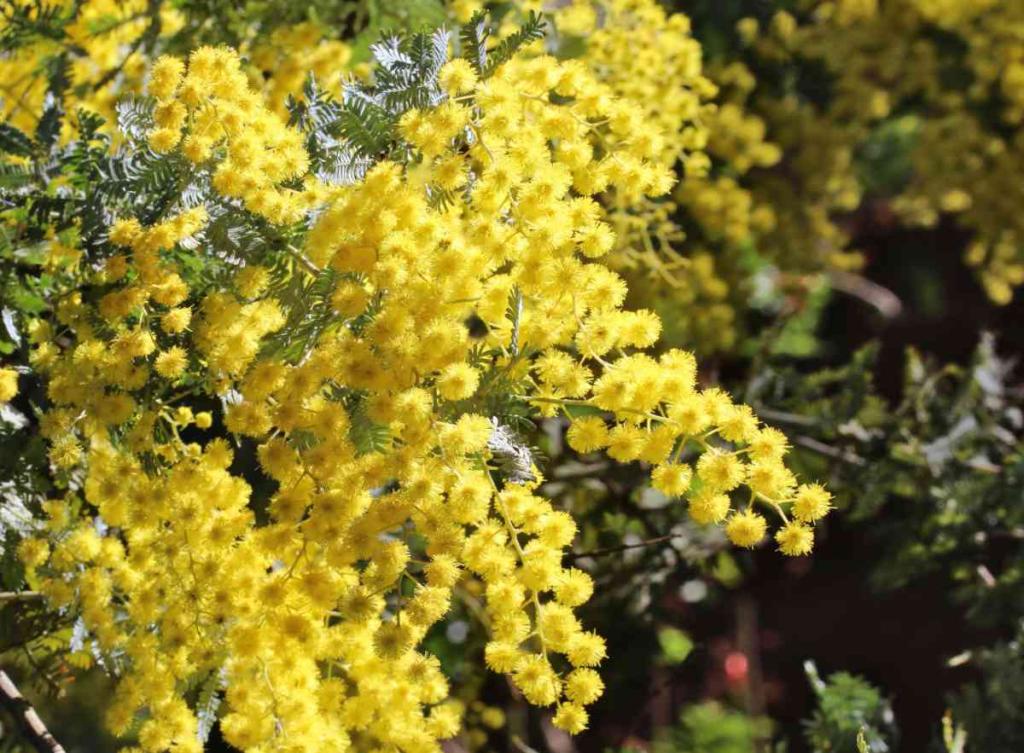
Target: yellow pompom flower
[
  {"x": 34, "y": 552},
  {"x": 165, "y": 76},
  {"x": 672, "y": 479},
  {"x": 163, "y": 140},
  {"x": 746, "y": 528},
  {"x": 8, "y": 385},
  {"x": 812, "y": 502},
  {"x": 350, "y": 299},
  {"x": 767, "y": 444},
  {"x": 573, "y": 588},
  {"x": 570, "y": 717},
  {"x": 795, "y": 539},
  {"x": 709, "y": 507},
  {"x": 171, "y": 363},
  {"x": 720, "y": 471},
  {"x": 587, "y": 434},
  {"x": 457, "y": 76},
  {"x": 583, "y": 686},
  {"x": 537, "y": 680},
  {"x": 458, "y": 381},
  {"x": 176, "y": 320}
]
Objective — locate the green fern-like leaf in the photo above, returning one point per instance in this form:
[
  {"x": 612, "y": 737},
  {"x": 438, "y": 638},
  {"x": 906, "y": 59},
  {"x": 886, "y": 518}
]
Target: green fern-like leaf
[
  {"x": 365, "y": 434},
  {"x": 135, "y": 117},
  {"x": 368, "y": 128},
  {"x": 323, "y": 120},
  {"x": 316, "y": 111},
  {"x": 89, "y": 124},
  {"x": 408, "y": 70},
  {"x": 13, "y": 141},
  {"x": 23, "y": 23},
  {"x": 531, "y": 30},
  {"x": 473, "y": 39},
  {"x": 48, "y": 127},
  {"x": 207, "y": 704},
  {"x": 13, "y": 176}
]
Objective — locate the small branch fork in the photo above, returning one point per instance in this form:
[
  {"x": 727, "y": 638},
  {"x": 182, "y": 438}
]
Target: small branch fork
[{"x": 26, "y": 717}]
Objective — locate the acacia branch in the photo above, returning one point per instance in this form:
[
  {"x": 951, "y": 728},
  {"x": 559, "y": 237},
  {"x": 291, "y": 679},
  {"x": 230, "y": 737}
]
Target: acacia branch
[{"x": 28, "y": 720}]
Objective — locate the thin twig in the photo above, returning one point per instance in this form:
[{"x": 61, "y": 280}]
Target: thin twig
[
  {"x": 783, "y": 417},
  {"x": 987, "y": 577},
  {"x": 302, "y": 259},
  {"x": 6, "y": 596},
  {"x": 881, "y": 299},
  {"x": 28, "y": 720},
  {"x": 847, "y": 456},
  {"x": 518, "y": 742},
  {"x": 622, "y": 547}
]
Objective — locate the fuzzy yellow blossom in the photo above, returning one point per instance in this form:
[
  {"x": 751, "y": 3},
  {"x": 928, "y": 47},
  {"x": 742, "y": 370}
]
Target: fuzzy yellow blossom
[
  {"x": 747, "y": 528},
  {"x": 708, "y": 507},
  {"x": 588, "y": 434},
  {"x": 171, "y": 363},
  {"x": 672, "y": 479},
  {"x": 361, "y": 352},
  {"x": 795, "y": 539},
  {"x": 165, "y": 76},
  {"x": 261, "y": 152},
  {"x": 571, "y": 717},
  {"x": 458, "y": 381},
  {"x": 458, "y": 76},
  {"x": 811, "y": 503},
  {"x": 8, "y": 385},
  {"x": 176, "y": 320},
  {"x": 34, "y": 552}
]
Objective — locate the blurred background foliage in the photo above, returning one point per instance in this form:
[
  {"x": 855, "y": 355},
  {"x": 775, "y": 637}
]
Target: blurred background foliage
[{"x": 835, "y": 300}]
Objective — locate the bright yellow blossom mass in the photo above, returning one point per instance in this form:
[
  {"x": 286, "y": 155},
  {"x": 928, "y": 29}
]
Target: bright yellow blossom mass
[{"x": 463, "y": 276}]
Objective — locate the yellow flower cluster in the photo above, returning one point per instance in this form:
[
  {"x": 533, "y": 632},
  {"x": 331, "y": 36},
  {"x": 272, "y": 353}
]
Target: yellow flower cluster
[
  {"x": 798, "y": 203},
  {"x": 292, "y": 53},
  {"x": 661, "y": 416},
  {"x": 8, "y": 385},
  {"x": 967, "y": 165},
  {"x": 889, "y": 58},
  {"x": 210, "y": 109},
  {"x": 647, "y": 57},
  {"x": 105, "y": 59},
  {"x": 110, "y": 45},
  {"x": 469, "y": 275},
  {"x": 650, "y": 59}
]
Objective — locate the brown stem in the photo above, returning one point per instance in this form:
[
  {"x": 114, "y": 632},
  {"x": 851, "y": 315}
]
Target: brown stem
[
  {"x": 615, "y": 549},
  {"x": 847, "y": 456},
  {"x": 748, "y": 641},
  {"x": 882, "y": 299},
  {"x": 28, "y": 720},
  {"x": 6, "y": 596}
]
